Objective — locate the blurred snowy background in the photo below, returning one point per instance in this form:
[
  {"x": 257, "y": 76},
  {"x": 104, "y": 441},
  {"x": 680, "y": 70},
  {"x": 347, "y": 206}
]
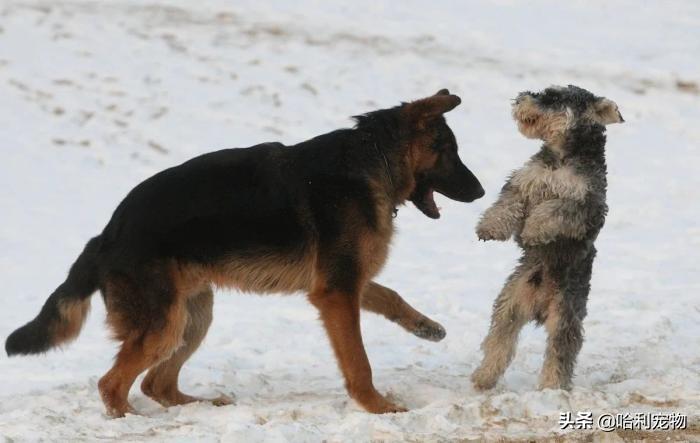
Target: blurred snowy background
[{"x": 95, "y": 96}]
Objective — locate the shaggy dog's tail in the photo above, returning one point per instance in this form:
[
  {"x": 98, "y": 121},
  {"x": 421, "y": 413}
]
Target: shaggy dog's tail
[{"x": 65, "y": 311}]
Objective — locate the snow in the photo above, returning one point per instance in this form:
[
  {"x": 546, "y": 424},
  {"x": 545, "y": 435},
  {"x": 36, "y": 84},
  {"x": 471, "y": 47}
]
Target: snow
[{"x": 97, "y": 96}]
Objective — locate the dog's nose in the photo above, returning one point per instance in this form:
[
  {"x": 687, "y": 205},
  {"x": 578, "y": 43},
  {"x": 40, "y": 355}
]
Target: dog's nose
[{"x": 478, "y": 193}]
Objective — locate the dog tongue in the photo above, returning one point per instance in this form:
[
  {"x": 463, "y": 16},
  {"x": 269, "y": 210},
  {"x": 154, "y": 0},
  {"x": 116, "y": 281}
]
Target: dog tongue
[{"x": 429, "y": 207}]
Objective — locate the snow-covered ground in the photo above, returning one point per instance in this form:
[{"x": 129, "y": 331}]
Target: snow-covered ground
[{"x": 96, "y": 96}]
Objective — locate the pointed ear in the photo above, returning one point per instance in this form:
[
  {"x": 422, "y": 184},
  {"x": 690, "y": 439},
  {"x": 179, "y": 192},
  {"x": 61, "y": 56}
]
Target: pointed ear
[
  {"x": 443, "y": 92},
  {"x": 607, "y": 112},
  {"x": 426, "y": 109}
]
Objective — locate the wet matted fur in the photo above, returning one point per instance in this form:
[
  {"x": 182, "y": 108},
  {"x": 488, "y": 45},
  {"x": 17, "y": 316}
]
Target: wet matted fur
[
  {"x": 314, "y": 217},
  {"x": 554, "y": 206}
]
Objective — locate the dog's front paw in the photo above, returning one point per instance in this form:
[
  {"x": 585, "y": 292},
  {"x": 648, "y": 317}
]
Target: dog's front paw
[
  {"x": 488, "y": 231},
  {"x": 374, "y": 402},
  {"x": 429, "y": 330}
]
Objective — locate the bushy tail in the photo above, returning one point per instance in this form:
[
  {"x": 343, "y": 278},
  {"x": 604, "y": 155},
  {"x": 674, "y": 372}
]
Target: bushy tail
[{"x": 65, "y": 311}]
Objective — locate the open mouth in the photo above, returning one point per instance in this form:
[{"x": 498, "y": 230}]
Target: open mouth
[{"x": 424, "y": 199}]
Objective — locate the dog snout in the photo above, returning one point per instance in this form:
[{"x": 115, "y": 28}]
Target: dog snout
[{"x": 478, "y": 193}]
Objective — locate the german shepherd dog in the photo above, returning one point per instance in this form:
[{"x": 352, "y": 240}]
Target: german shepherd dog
[{"x": 314, "y": 217}]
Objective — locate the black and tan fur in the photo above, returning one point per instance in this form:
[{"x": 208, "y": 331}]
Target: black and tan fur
[
  {"x": 554, "y": 206},
  {"x": 314, "y": 217}
]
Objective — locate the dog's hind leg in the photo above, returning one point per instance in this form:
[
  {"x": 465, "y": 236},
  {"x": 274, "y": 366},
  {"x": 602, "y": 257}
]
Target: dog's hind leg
[
  {"x": 511, "y": 311},
  {"x": 564, "y": 325},
  {"x": 385, "y": 301},
  {"x": 564, "y": 341},
  {"x": 150, "y": 320},
  {"x": 161, "y": 382}
]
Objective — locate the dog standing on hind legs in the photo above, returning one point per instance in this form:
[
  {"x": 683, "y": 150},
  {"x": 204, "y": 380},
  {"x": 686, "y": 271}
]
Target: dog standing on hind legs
[
  {"x": 554, "y": 206},
  {"x": 314, "y": 217}
]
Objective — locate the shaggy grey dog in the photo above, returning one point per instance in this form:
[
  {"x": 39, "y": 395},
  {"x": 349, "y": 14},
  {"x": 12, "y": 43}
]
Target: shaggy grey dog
[{"x": 554, "y": 206}]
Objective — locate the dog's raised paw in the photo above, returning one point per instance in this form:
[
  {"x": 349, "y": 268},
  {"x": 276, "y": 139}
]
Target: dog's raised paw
[
  {"x": 429, "y": 330},
  {"x": 486, "y": 232}
]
